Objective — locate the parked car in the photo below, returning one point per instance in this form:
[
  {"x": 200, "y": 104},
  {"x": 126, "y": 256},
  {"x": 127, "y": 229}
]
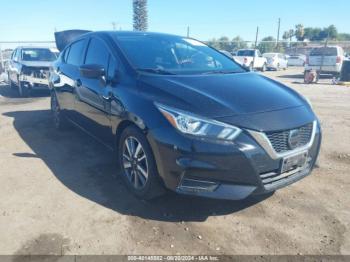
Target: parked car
[
  {"x": 328, "y": 60},
  {"x": 29, "y": 68},
  {"x": 183, "y": 116},
  {"x": 276, "y": 61},
  {"x": 252, "y": 59},
  {"x": 297, "y": 60}
]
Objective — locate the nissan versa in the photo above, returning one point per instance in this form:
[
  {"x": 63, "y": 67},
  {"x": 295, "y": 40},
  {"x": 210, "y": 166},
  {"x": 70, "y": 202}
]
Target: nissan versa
[{"x": 181, "y": 115}]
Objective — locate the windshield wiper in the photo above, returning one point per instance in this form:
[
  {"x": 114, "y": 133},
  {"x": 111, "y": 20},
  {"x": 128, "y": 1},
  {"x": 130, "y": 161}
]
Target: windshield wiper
[
  {"x": 221, "y": 72},
  {"x": 156, "y": 71}
]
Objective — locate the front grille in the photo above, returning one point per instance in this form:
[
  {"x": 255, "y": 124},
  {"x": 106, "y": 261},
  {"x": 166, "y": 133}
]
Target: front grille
[{"x": 280, "y": 143}]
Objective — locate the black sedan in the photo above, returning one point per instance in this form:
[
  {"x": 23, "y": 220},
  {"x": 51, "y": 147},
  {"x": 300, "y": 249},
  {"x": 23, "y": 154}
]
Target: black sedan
[{"x": 181, "y": 115}]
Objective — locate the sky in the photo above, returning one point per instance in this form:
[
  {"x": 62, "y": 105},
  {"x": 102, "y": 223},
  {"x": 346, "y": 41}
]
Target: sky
[{"x": 36, "y": 20}]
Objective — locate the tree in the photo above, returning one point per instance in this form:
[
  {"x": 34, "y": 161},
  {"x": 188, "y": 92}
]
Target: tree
[
  {"x": 343, "y": 37},
  {"x": 225, "y": 43},
  {"x": 238, "y": 43},
  {"x": 331, "y": 32},
  {"x": 299, "y": 32},
  {"x": 267, "y": 44},
  {"x": 140, "y": 15}
]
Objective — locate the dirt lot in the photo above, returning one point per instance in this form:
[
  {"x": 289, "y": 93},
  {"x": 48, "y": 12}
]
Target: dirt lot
[{"x": 60, "y": 195}]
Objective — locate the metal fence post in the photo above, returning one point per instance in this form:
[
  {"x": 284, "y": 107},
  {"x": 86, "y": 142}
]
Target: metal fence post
[{"x": 1, "y": 59}]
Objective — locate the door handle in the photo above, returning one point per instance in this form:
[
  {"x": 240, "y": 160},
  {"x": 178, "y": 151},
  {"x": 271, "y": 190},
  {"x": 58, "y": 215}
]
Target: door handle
[{"x": 107, "y": 97}]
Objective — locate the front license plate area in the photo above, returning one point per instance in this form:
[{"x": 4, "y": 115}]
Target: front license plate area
[{"x": 293, "y": 162}]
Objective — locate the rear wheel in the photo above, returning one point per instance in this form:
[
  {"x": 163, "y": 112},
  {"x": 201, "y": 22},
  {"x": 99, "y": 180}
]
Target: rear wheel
[{"x": 137, "y": 164}]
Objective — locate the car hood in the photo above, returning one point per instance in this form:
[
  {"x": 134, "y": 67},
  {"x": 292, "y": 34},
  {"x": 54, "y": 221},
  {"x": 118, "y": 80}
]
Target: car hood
[
  {"x": 36, "y": 63},
  {"x": 217, "y": 96}
]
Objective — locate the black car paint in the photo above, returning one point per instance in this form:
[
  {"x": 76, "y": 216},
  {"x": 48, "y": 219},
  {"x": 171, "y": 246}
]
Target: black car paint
[{"x": 247, "y": 100}]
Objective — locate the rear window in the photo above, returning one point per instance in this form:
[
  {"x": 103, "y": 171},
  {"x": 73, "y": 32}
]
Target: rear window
[
  {"x": 324, "y": 51},
  {"x": 245, "y": 53}
]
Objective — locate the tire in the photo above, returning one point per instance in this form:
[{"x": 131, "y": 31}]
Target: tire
[
  {"x": 23, "y": 90},
  {"x": 278, "y": 68},
  {"x": 251, "y": 67},
  {"x": 11, "y": 84},
  {"x": 263, "y": 69},
  {"x": 137, "y": 165},
  {"x": 58, "y": 119}
]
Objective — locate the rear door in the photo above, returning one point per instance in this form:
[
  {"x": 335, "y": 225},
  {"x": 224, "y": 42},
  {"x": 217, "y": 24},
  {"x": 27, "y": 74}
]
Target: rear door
[
  {"x": 68, "y": 75},
  {"x": 326, "y": 56},
  {"x": 92, "y": 101}
]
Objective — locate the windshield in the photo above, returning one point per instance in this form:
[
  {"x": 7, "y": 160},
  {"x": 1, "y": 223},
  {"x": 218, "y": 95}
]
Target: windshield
[
  {"x": 176, "y": 55},
  {"x": 324, "y": 51},
  {"x": 245, "y": 53},
  {"x": 38, "y": 54}
]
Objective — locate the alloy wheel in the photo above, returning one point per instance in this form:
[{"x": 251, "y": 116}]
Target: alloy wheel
[{"x": 135, "y": 163}]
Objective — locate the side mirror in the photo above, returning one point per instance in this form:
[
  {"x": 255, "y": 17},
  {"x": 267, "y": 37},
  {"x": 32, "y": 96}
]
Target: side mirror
[{"x": 92, "y": 71}]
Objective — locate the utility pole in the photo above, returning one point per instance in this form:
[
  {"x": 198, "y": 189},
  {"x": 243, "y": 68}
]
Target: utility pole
[
  {"x": 256, "y": 37},
  {"x": 256, "y": 44},
  {"x": 188, "y": 31},
  {"x": 1, "y": 59},
  {"x": 278, "y": 31}
]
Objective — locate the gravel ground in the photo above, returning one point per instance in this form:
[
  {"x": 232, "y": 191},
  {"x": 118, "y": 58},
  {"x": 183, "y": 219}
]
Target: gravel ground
[{"x": 60, "y": 194}]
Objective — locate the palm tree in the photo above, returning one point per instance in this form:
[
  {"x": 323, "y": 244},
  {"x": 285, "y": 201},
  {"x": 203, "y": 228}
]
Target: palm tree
[{"x": 140, "y": 15}]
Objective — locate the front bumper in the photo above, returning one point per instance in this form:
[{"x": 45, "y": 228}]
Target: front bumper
[
  {"x": 231, "y": 171},
  {"x": 325, "y": 69},
  {"x": 34, "y": 81}
]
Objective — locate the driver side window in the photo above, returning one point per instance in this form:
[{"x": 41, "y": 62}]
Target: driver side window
[{"x": 97, "y": 53}]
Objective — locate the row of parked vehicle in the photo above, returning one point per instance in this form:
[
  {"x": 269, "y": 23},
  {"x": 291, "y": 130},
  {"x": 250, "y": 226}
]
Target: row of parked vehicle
[{"x": 326, "y": 59}]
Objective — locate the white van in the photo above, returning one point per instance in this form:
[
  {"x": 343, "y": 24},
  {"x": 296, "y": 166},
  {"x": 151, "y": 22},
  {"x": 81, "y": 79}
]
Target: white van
[{"x": 328, "y": 59}]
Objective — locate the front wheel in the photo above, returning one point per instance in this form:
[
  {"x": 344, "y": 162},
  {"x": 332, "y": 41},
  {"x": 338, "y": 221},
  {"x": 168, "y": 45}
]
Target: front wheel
[
  {"x": 137, "y": 164},
  {"x": 23, "y": 90},
  {"x": 263, "y": 69}
]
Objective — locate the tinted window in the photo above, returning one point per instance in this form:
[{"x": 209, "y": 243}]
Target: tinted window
[
  {"x": 245, "y": 53},
  {"x": 76, "y": 53},
  {"x": 112, "y": 68},
  {"x": 174, "y": 54},
  {"x": 97, "y": 53},
  {"x": 324, "y": 51}
]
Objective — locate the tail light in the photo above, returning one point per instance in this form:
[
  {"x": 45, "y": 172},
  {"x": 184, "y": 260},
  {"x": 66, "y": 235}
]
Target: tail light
[{"x": 339, "y": 60}]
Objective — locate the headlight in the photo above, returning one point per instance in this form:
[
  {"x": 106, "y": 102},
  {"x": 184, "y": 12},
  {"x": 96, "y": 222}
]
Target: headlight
[{"x": 190, "y": 124}]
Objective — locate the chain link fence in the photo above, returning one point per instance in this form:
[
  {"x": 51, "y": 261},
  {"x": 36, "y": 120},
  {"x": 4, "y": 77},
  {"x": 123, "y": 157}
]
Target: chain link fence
[{"x": 287, "y": 47}]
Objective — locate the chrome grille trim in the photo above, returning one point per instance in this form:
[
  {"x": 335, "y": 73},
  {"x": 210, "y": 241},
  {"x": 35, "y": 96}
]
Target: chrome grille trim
[
  {"x": 265, "y": 143},
  {"x": 279, "y": 140}
]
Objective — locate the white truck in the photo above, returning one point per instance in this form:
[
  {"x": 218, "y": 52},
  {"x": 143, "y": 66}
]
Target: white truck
[{"x": 252, "y": 59}]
